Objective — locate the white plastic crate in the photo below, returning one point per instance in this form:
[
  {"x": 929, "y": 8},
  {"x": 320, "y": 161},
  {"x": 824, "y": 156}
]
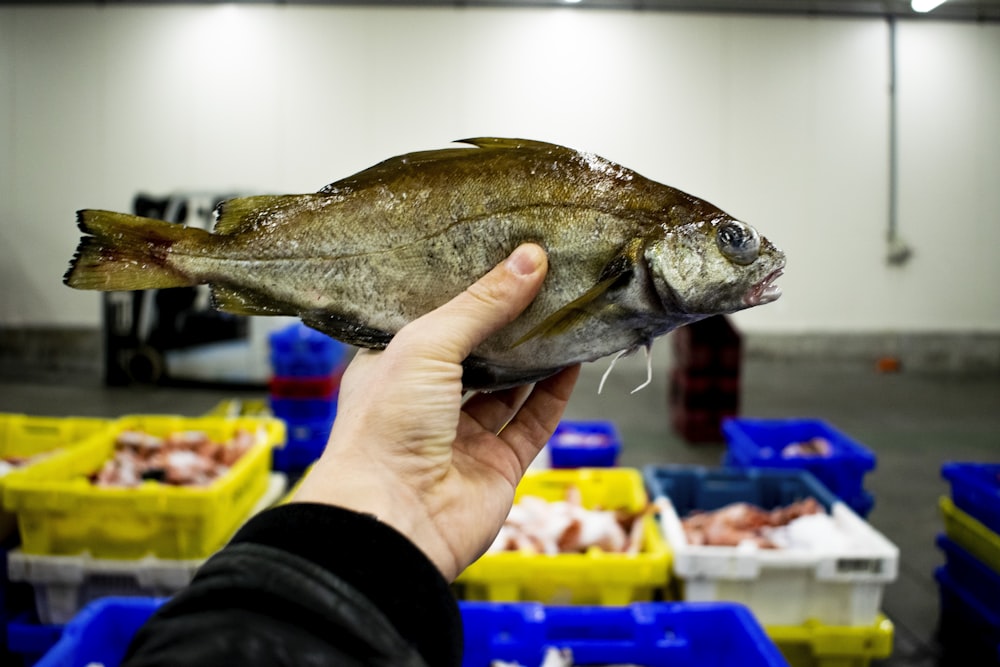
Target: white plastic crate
[
  {"x": 790, "y": 586},
  {"x": 65, "y": 584}
]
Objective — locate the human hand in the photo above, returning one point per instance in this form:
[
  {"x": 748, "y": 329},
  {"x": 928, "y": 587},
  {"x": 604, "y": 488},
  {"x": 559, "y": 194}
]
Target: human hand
[{"x": 404, "y": 446}]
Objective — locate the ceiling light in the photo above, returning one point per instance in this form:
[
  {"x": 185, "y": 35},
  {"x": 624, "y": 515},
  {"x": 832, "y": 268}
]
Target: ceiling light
[{"x": 924, "y": 6}]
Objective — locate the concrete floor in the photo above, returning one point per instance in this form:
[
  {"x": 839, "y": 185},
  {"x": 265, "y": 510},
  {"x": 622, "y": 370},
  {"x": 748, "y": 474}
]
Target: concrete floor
[{"x": 913, "y": 422}]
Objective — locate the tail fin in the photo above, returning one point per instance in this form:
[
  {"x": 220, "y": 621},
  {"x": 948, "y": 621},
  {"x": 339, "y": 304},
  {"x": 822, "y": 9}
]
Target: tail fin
[{"x": 126, "y": 252}]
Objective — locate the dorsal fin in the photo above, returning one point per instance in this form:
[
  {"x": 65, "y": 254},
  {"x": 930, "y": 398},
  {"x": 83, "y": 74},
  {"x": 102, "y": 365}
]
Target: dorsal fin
[
  {"x": 387, "y": 168},
  {"x": 243, "y": 213},
  {"x": 502, "y": 143}
]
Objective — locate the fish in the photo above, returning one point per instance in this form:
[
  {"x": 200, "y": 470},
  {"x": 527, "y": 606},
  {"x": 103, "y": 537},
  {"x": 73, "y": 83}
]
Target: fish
[
  {"x": 537, "y": 525},
  {"x": 630, "y": 259},
  {"x": 741, "y": 522}
]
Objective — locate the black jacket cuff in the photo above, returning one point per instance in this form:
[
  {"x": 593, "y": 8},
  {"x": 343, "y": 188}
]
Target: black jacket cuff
[{"x": 378, "y": 561}]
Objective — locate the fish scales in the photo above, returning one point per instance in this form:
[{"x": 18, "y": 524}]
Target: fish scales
[
  {"x": 629, "y": 258},
  {"x": 389, "y": 288}
]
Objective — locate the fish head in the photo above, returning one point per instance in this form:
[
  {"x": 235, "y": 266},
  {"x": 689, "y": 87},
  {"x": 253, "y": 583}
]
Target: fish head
[{"x": 714, "y": 265}]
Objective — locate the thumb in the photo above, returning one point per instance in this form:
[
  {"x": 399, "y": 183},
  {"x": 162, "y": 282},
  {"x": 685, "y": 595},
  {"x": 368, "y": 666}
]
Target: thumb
[{"x": 488, "y": 305}]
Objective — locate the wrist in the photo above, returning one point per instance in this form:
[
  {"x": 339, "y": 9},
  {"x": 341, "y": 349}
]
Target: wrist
[{"x": 383, "y": 496}]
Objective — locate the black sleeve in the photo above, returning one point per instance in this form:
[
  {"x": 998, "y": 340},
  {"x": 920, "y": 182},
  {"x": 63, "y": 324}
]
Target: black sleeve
[{"x": 308, "y": 584}]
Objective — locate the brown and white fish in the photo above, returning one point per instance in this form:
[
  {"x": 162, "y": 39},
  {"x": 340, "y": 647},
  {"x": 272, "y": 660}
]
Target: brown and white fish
[{"x": 629, "y": 259}]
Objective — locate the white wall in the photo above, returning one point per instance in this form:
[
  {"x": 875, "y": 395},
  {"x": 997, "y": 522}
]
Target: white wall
[{"x": 781, "y": 121}]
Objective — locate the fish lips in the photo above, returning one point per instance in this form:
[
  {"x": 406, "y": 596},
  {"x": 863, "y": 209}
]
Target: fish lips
[{"x": 765, "y": 291}]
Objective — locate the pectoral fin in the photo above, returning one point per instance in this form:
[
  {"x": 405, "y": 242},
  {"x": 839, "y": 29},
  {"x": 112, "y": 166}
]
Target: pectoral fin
[
  {"x": 569, "y": 315},
  {"x": 619, "y": 269}
]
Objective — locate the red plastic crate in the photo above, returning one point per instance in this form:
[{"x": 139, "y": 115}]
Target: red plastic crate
[
  {"x": 711, "y": 344},
  {"x": 699, "y": 426},
  {"x": 699, "y": 391},
  {"x": 700, "y": 383},
  {"x": 304, "y": 387}
]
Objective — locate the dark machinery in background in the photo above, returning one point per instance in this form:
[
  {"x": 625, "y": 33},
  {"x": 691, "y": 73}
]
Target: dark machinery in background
[{"x": 141, "y": 326}]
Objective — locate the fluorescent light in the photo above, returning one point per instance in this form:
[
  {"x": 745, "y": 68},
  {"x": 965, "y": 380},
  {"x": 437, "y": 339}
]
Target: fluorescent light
[{"x": 924, "y": 6}]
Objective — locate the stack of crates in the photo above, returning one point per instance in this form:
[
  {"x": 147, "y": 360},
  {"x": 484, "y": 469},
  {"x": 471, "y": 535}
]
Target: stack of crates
[
  {"x": 606, "y": 607},
  {"x": 80, "y": 541},
  {"x": 24, "y": 441},
  {"x": 969, "y": 582},
  {"x": 821, "y": 605},
  {"x": 768, "y": 443},
  {"x": 704, "y": 382},
  {"x": 307, "y": 366}
]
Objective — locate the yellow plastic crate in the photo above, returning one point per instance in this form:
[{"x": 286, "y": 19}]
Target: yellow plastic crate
[
  {"x": 817, "y": 645},
  {"x": 27, "y": 436},
  {"x": 234, "y": 407},
  {"x": 970, "y": 534},
  {"x": 290, "y": 493},
  {"x": 60, "y": 512},
  {"x": 595, "y": 577}
]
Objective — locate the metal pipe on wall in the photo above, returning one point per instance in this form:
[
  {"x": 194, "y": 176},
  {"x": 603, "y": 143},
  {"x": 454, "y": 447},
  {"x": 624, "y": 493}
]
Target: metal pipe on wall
[{"x": 898, "y": 252}]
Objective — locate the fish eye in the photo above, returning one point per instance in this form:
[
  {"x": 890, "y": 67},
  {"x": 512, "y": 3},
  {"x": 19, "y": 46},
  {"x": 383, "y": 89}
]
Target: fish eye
[{"x": 738, "y": 241}]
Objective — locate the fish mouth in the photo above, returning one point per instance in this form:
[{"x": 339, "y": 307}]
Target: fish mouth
[{"x": 765, "y": 291}]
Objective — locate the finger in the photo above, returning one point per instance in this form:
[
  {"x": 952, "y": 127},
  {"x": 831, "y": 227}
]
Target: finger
[
  {"x": 537, "y": 419},
  {"x": 485, "y": 307},
  {"x": 490, "y": 411}
]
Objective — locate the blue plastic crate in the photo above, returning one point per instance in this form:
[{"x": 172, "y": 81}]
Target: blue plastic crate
[
  {"x": 759, "y": 443},
  {"x": 584, "y": 444},
  {"x": 30, "y": 640},
  {"x": 970, "y": 573},
  {"x": 696, "y": 488},
  {"x": 975, "y": 489},
  {"x": 862, "y": 503},
  {"x": 655, "y": 634},
  {"x": 304, "y": 442},
  {"x": 303, "y": 409},
  {"x": 299, "y": 351},
  {"x": 968, "y": 629},
  {"x": 101, "y": 632},
  {"x": 651, "y": 634}
]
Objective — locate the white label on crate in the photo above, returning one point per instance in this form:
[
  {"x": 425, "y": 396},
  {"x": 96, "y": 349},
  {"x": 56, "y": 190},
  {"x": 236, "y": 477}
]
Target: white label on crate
[{"x": 858, "y": 565}]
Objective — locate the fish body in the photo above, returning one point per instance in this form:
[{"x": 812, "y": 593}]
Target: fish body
[{"x": 629, "y": 258}]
